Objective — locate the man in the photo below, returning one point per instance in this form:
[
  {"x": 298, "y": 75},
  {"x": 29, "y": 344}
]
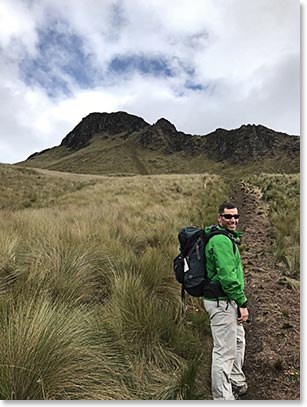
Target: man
[{"x": 228, "y": 310}]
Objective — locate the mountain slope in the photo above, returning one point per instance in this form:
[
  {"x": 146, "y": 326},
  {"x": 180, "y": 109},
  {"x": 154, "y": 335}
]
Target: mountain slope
[{"x": 123, "y": 143}]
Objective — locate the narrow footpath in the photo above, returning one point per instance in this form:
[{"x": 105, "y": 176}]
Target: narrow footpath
[{"x": 272, "y": 361}]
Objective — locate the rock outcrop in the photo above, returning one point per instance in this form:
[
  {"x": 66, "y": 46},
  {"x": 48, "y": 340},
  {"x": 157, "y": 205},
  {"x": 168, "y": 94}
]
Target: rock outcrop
[
  {"x": 111, "y": 123},
  {"x": 249, "y": 142}
]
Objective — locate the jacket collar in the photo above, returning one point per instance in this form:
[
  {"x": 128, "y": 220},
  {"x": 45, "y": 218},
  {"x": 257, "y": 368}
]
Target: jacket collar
[{"x": 237, "y": 234}]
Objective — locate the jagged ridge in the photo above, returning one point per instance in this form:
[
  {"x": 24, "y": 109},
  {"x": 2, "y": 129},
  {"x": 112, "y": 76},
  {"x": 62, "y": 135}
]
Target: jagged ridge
[{"x": 132, "y": 133}]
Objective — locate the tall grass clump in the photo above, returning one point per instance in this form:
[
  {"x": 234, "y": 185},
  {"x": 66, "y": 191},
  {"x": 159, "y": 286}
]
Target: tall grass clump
[
  {"x": 45, "y": 256},
  {"x": 49, "y": 351},
  {"x": 8, "y": 257},
  {"x": 282, "y": 192},
  {"x": 65, "y": 269}
]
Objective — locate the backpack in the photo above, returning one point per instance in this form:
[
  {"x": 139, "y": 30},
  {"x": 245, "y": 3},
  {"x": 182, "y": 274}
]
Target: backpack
[{"x": 190, "y": 264}]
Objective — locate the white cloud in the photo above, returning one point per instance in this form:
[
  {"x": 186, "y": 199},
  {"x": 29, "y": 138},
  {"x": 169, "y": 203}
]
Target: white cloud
[
  {"x": 16, "y": 23},
  {"x": 250, "y": 34},
  {"x": 240, "y": 59}
]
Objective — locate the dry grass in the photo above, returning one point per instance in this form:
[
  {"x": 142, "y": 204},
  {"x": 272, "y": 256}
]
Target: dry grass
[
  {"x": 90, "y": 308},
  {"x": 282, "y": 192}
]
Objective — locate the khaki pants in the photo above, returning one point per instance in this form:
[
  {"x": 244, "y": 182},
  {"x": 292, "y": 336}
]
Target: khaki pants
[{"x": 228, "y": 348}]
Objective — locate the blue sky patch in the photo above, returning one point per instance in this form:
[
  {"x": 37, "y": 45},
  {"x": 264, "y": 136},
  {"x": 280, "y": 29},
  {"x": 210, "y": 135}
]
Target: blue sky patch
[
  {"x": 60, "y": 61},
  {"x": 145, "y": 65},
  {"x": 194, "y": 85}
]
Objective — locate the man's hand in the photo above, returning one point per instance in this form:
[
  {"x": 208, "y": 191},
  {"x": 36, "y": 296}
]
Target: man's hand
[{"x": 243, "y": 315}]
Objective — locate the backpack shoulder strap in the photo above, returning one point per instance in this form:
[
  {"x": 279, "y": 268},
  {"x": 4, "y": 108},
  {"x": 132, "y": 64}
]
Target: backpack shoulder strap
[{"x": 215, "y": 231}]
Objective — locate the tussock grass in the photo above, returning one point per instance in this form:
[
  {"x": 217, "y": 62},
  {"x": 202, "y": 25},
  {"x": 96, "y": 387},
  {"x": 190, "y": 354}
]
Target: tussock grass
[
  {"x": 65, "y": 269},
  {"x": 90, "y": 308},
  {"x": 49, "y": 351},
  {"x": 8, "y": 253}
]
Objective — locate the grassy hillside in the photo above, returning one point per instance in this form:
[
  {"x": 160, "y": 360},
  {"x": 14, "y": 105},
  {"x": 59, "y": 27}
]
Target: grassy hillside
[
  {"x": 90, "y": 308},
  {"x": 26, "y": 187},
  {"x": 116, "y": 155}
]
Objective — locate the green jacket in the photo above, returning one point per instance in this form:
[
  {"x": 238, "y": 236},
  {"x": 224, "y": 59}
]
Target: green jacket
[{"x": 225, "y": 266}]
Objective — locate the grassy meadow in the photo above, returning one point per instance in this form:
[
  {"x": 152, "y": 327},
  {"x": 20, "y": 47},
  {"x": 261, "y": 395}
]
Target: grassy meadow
[{"x": 90, "y": 308}]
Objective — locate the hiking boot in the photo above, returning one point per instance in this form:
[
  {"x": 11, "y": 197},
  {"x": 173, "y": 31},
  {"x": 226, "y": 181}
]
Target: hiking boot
[{"x": 238, "y": 391}]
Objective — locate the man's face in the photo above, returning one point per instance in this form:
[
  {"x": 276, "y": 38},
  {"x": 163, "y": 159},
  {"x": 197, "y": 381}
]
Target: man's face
[{"x": 229, "y": 224}]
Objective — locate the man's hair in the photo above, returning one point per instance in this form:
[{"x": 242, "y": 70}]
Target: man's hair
[{"x": 226, "y": 205}]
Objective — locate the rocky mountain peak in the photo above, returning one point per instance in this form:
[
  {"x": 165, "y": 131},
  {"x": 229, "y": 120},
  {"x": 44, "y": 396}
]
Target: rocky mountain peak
[
  {"x": 110, "y": 123},
  {"x": 165, "y": 126},
  {"x": 164, "y": 136}
]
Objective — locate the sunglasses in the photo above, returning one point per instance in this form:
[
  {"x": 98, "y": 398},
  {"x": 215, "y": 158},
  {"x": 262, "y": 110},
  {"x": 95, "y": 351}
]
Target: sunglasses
[{"x": 228, "y": 216}]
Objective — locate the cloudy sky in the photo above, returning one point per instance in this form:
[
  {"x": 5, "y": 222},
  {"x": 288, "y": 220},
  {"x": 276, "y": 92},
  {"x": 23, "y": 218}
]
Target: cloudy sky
[{"x": 202, "y": 64}]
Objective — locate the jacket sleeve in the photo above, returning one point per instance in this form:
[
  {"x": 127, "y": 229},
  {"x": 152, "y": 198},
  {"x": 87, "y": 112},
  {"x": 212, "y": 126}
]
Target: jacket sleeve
[{"x": 229, "y": 268}]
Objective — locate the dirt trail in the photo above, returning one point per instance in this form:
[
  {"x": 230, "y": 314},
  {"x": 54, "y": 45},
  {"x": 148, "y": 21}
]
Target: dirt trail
[{"x": 272, "y": 361}]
